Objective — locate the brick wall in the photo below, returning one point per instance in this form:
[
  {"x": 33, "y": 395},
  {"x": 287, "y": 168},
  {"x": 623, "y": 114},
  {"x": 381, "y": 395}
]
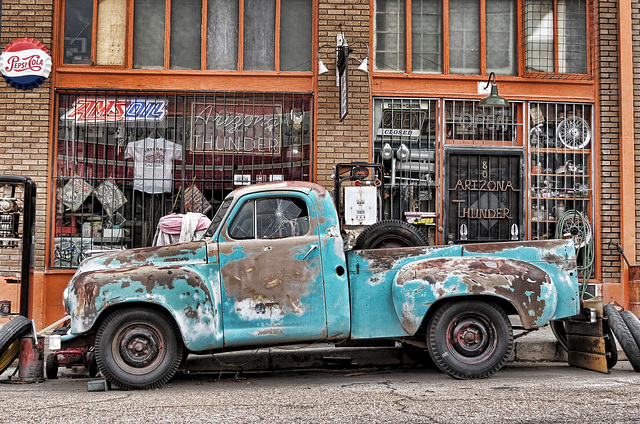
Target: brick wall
[
  {"x": 345, "y": 141},
  {"x": 24, "y": 115}
]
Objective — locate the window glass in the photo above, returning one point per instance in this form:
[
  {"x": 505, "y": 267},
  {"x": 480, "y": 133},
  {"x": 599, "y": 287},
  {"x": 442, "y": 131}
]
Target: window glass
[
  {"x": 572, "y": 36},
  {"x": 111, "y": 34},
  {"x": 464, "y": 37},
  {"x": 222, "y": 211},
  {"x": 501, "y": 36},
  {"x": 281, "y": 218},
  {"x": 222, "y": 34},
  {"x": 426, "y": 35},
  {"x": 259, "y": 35},
  {"x": 148, "y": 34},
  {"x": 389, "y": 43},
  {"x": 186, "y": 34},
  {"x": 539, "y": 36},
  {"x": 242, "y": 226},
  {"x": 295, "y": 35},
  {"x": 77, "y": 32}
]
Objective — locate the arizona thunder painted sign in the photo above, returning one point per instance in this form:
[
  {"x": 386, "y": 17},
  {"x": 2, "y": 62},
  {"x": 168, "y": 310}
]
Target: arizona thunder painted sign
[{"x": 25, "y": 64}]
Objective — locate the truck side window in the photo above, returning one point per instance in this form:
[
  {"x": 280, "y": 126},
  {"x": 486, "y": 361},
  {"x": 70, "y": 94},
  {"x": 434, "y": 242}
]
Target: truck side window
[
  {"x": 242, "y": 226},
  {"x": 282, "y": 217}
]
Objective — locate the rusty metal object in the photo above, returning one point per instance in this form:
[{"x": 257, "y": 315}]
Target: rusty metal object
[
  {"x": 31, "y": 365},
  {"x": 585, "y": 338}
]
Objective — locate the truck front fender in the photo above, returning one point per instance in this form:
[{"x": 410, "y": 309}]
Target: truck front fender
[
  {"x": 179, "y": 289},
  {"x": 420, "y": 284}
]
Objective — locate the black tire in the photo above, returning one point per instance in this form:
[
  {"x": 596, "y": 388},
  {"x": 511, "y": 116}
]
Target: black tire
[
  {"x": 633, "y": 324},
  {"x": 92, "y": 364},
  {"x": 51, "y": 367},
  {"x": 389, "y": 234},
  {"x": 138, "y": 349},
  {"x": 557, "y": 327},
  {"x": 623, "y": 335},
  {"x": 10, "y": 335},
  {"x": 610, "y": 347},
  {"x": 470, "y": 339}
]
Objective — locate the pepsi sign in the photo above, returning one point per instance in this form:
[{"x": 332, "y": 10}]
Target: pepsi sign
[{"x": 25, "y": 64}]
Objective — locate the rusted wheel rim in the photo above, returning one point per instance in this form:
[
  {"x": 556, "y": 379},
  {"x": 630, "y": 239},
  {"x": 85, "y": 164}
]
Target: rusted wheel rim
[
  {"x": 471, "y": 338},
  {"x": 138, "y": 348}
]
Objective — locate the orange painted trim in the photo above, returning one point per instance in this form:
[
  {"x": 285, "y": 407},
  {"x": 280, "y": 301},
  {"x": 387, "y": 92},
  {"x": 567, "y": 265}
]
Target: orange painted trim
[
  {"x": 465, "y": 86},
  {"x": 277, "y": 37},
  {"x": 241, "y": 35},
  {"x": 128, "y": 45},
  {"x": 203, "y": 35},
  {"x": 94, "y": 32},
  {"x": 288, "y": 82},
  {"x": 408, "y": 38},
  {"x": 627, "y": 148},
  {"x": 445, "y": 38},
  {"x": 483, "y": 38},
  {"x": 167, "y": 35}
]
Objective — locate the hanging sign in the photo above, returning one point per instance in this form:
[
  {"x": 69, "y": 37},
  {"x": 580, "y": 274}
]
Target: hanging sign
[{"x": 25, "y": 64}]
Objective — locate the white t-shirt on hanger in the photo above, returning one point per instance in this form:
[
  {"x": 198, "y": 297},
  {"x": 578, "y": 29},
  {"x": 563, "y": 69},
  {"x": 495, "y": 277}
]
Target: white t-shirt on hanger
[{"x": 153, "y": 163}]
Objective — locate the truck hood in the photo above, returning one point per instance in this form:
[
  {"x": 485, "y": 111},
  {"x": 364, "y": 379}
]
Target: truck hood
[{"x": 182, "y": 253}]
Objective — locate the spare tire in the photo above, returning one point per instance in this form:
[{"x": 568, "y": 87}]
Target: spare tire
[
  {"x": 391, "y": 233},
  {"x": 624, "y": 336},
  {"x": 10, "y": 335}
]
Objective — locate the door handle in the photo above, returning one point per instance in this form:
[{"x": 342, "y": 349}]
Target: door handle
[{"x": 314, "y": 247}]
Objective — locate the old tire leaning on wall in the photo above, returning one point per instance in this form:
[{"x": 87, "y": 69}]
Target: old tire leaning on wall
[
  {"x": 389, "y": 234},
  {"x": 469, "y": 339},
  {"x": 610, "y": 347},
  {"x": 138, "y": 349},
  {"x": 10, "y": 335},
  {"x": 623, "y": 335}
]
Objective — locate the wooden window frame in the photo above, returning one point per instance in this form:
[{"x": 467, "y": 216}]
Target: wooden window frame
[{"x": 128, "y": 62}]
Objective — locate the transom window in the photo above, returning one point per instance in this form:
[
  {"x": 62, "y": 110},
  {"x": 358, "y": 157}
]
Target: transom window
[
  {"x": 251, "y": 35},
  {"x": 478, "y": 37}
]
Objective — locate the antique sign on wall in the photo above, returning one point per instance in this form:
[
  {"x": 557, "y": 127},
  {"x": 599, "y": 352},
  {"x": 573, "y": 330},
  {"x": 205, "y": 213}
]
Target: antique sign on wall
[
  {"x": 484, "y": 196},
  {"x": 25, "y": 64}
]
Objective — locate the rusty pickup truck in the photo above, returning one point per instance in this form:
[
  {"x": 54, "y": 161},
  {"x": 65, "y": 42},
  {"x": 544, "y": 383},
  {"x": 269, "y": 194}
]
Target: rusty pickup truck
[{"x": 272, "y": 269}]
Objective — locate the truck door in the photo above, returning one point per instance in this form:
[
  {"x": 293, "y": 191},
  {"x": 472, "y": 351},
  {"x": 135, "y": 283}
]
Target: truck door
[{"x": 271, "y": 271}]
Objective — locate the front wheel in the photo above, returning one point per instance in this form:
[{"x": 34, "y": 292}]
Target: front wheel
[
  {"x": 138, "y": 349},
  {"x": 470, "y": 339}
]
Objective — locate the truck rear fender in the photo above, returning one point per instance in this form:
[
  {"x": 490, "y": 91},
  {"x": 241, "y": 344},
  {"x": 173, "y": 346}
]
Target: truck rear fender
[
  {"x": 181, "y": 290},
  {"x": 420, "y": 284}
]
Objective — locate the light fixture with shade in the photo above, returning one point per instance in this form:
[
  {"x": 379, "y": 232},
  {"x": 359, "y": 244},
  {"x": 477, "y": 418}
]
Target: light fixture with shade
[{"x": 493, "y": 99}]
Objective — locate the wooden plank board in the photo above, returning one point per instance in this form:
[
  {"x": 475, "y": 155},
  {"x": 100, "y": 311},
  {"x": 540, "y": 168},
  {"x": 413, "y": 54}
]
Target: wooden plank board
[
  {"x": 587, "y": 344},
  {"x": 590, "y": 361}
]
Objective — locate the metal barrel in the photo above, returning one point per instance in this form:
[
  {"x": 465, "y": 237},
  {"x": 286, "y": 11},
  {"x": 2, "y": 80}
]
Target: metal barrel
[{"x": 31, "y": 365}]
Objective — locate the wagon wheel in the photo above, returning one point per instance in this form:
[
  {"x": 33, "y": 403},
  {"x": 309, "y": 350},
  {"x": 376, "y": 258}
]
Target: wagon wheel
[
  {"x": 578, "y": 227},
  {"x": 574, "y": 132}
]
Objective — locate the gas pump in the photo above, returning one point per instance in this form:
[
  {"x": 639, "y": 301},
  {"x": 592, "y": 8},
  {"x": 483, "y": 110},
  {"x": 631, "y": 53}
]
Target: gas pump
[{"x": 17, "y": 203}]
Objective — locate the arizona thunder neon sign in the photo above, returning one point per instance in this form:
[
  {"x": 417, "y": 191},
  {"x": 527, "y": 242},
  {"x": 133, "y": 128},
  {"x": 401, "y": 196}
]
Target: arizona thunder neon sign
[{"x": 25, "y": 64}]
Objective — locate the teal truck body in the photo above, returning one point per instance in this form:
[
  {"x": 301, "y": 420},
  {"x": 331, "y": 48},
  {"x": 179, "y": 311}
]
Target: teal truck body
[{"x": 272, "y": 269}]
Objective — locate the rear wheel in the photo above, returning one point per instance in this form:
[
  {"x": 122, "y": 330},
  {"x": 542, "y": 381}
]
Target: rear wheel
[
  {"x": 138, "y": 349},
  {"x": 389, "y": 234},
  {"x": 51, "y": 367},
  {"x": 470, "y": 339},
  {"x": 10, "y": 335}
]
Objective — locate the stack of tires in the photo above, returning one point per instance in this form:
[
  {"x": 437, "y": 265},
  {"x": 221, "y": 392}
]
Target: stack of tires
[{"x": 626, "y": 328}]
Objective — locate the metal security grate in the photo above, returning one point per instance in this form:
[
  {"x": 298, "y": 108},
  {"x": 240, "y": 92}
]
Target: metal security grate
[
  {"x": 559, "y": 39},
  {"x": 468, "y": 124},
  {"x": 124, "y": 159}
]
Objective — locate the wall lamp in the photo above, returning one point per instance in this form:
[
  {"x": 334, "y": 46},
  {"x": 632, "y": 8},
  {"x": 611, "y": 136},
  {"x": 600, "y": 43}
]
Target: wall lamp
[
  {"x": 493, "y": 99},
  {"x": 342, "y": 47}
]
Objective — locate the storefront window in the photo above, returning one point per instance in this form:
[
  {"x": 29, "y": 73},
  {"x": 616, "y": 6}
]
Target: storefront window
[
  {"x": 258, "y": 27},
  {"x": 556, "y": 36},
  {"x": 259, "y": 35},
  {"x": 77, "y": 32},
  {"x": 405, "y": 143},
  {"x": 148, "y": 34},
  {"x": 186, "y": 34},
  {"x": 464, "y": 37},
  {"x": 222, "y": 34},
  {"x": 124, "y": 160}
]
